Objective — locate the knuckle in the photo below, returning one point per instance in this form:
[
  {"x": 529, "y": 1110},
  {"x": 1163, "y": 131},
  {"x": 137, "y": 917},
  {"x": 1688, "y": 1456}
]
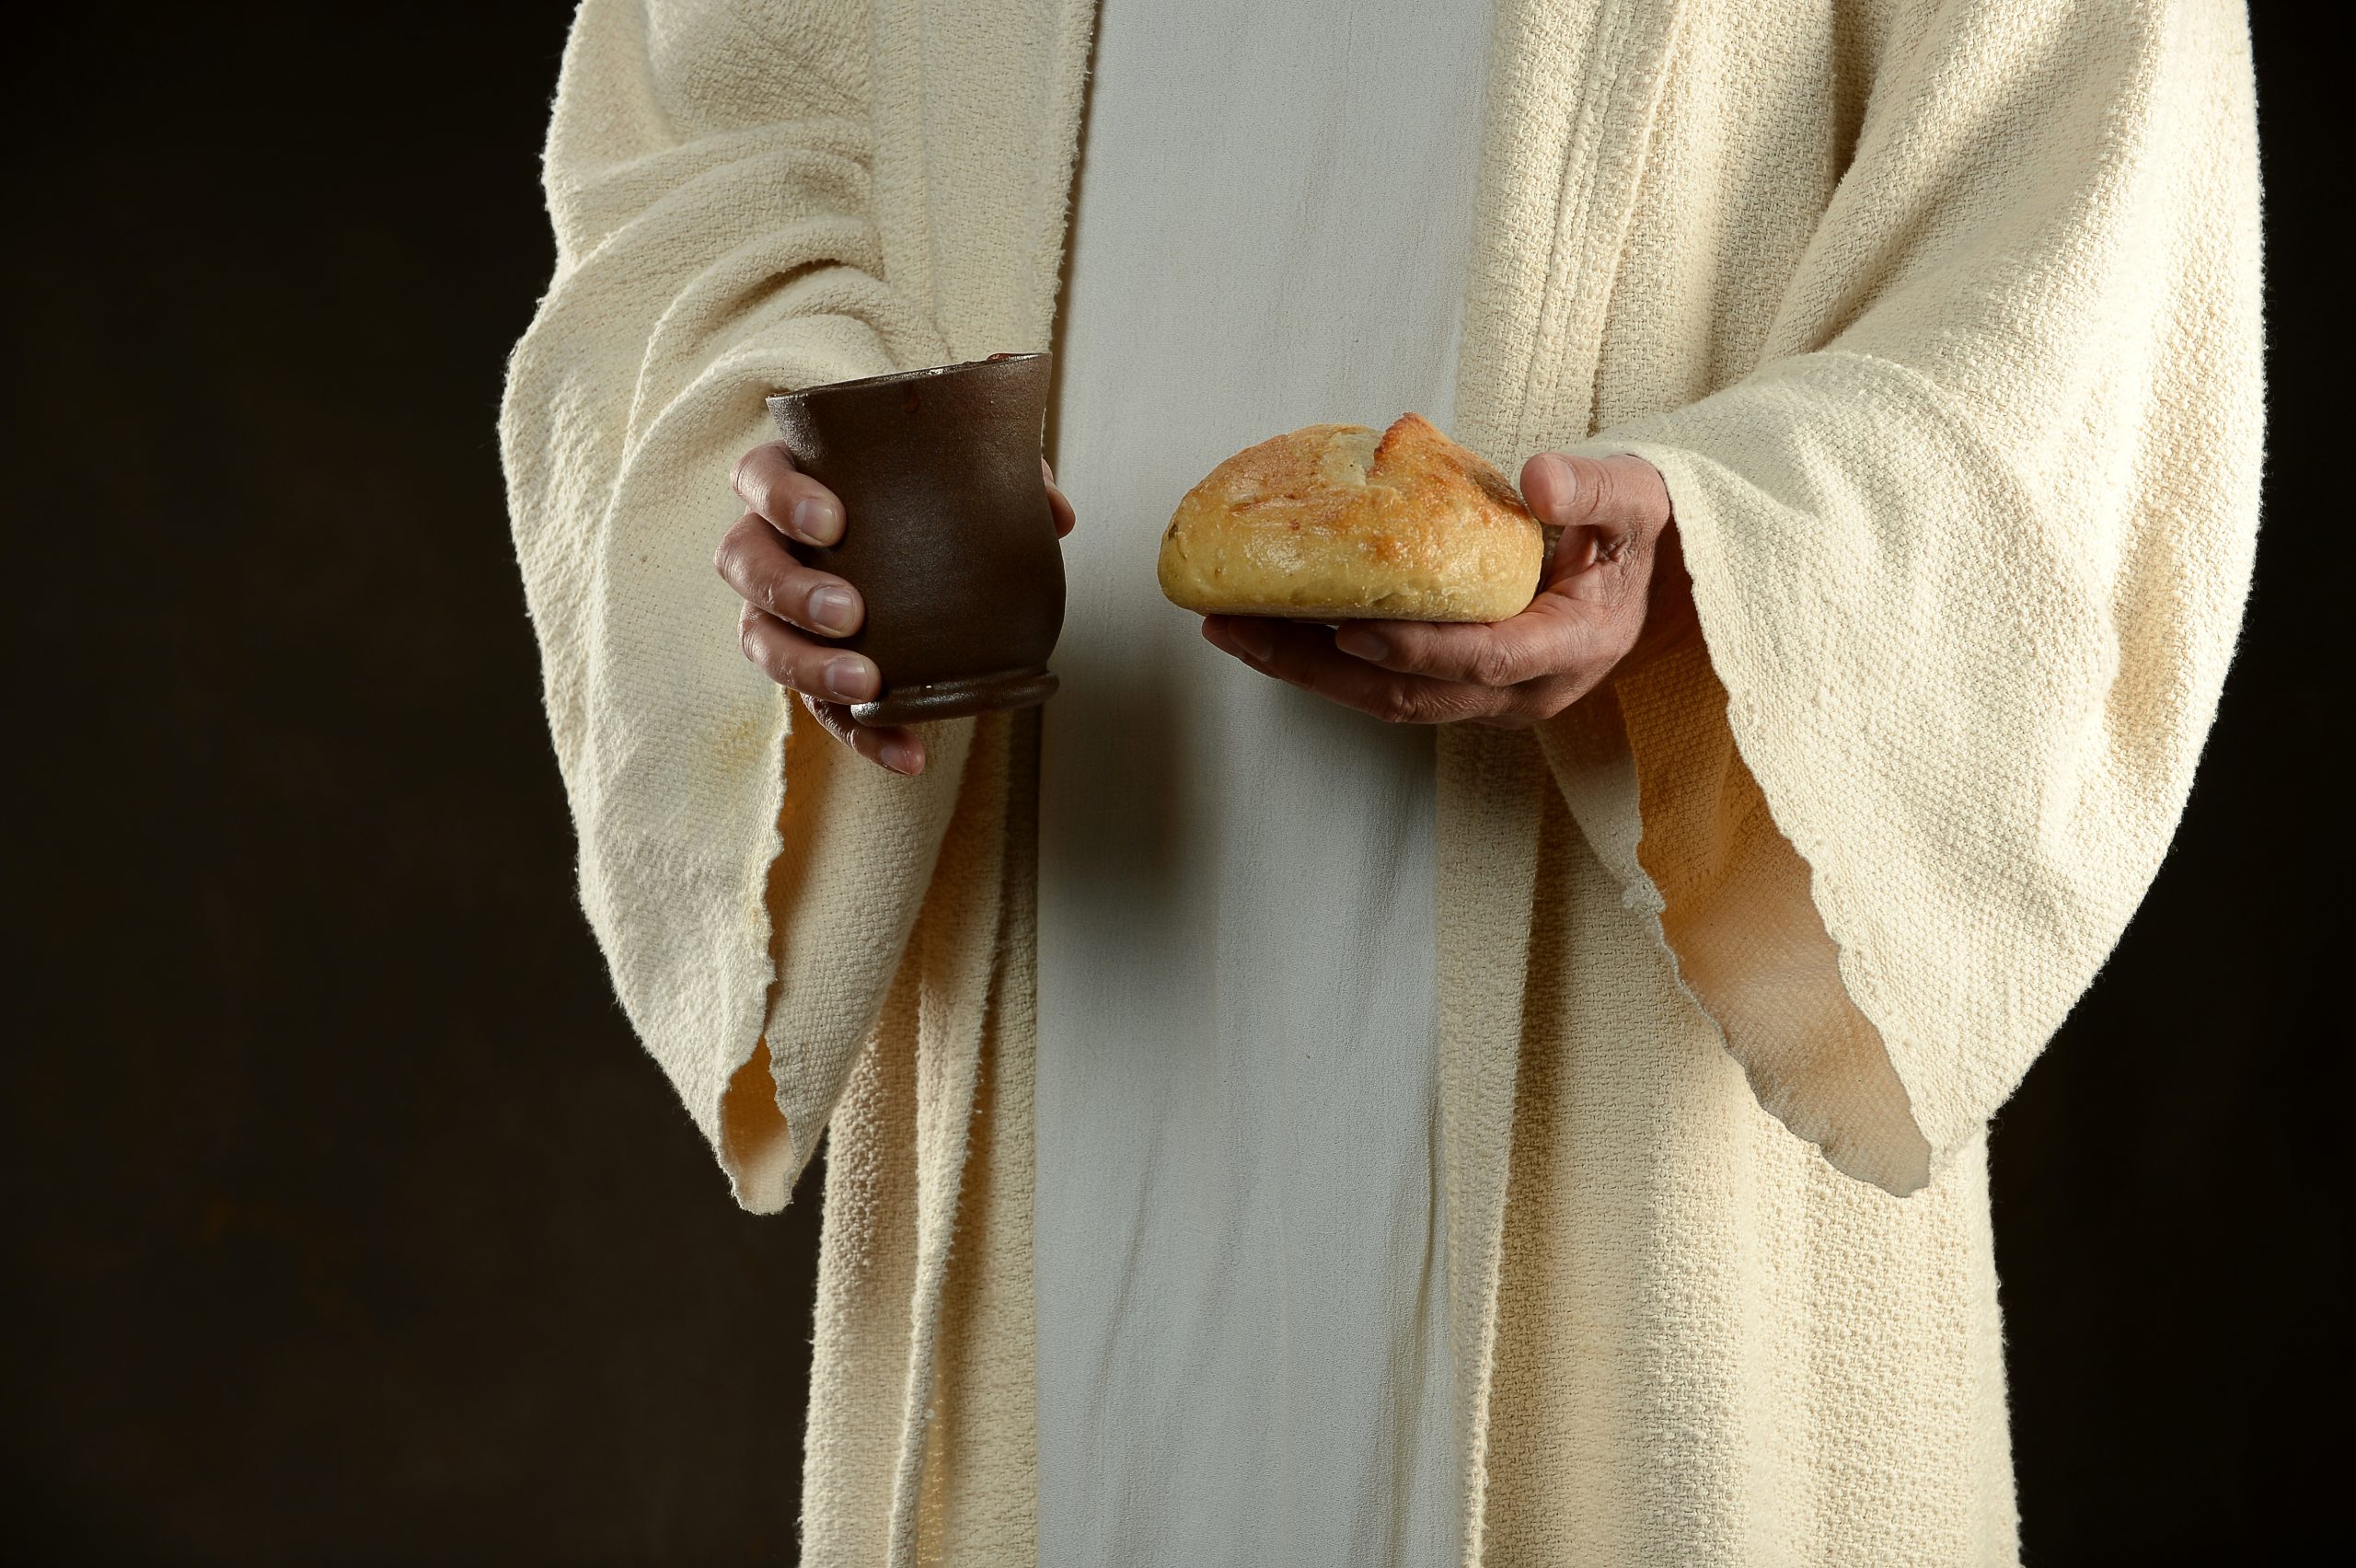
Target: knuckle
[
  {"x": 1393, "y": 704},
  {"x": 829, "y": 717},
  {"x": 796, "y": 670},
  {"x": 1603, "y": 489},
  {"x": 1407, "y": 650},
  {"x": 731, "y": 548},
  {"x": 741, "y": 546},
  {"x": 1493, "y": 665},
  {"x": 744, "y": 477}
]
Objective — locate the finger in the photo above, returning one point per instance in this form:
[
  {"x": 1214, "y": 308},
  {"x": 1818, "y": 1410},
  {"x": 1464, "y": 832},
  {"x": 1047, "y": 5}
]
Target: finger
[
  {"x": 1305, "y": 656},
  {"x": 754, "y": 560},
  {"x": 814, "y": 669},
  {"x": 797, "y": 504},
  {"x": 1612, "y": 497},
  {"x": 885, "y": 745},
  {"x": 1057, "y": 504},
  {"x": 1549, "y": 638}
]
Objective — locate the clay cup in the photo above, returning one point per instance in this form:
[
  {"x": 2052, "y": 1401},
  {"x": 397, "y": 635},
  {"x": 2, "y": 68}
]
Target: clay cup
[{"x": 948, "y": 535}]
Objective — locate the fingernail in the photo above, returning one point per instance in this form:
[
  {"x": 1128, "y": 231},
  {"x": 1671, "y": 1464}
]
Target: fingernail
[
  {"x": 1256, "y": 640},
  {"x": 833, "y": 610},
  {"x": 1361, "y": 643},
  {"x": 850, "y": 678},
  {"x": 818, "y": 520},
  {"x": 902, "y": 758},
  {"x": 1567, "y": 480}
]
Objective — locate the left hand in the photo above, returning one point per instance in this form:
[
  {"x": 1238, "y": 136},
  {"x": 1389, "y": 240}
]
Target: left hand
[{"x": 1615, "y": 595}]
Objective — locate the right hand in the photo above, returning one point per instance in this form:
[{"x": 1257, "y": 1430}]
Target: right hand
[{"x": 785, "y": 601}]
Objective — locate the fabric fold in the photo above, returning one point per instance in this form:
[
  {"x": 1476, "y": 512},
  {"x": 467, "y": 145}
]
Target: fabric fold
[
  {"x": 709, "y": 188},
  {"x": 1966, "y": 629}
]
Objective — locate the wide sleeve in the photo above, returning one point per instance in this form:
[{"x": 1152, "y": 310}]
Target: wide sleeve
[
  {"x": 707, "y": 170},
  {"x": 1971, "y": 549}
]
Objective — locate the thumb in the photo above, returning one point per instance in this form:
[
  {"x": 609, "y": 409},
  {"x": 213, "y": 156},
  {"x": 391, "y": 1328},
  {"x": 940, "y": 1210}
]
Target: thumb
[{"x": 1602, "y": 504}]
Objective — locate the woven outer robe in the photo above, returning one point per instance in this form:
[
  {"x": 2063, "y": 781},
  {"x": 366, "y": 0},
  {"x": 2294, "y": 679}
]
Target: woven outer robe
[{"x": 1940, "y": 319}]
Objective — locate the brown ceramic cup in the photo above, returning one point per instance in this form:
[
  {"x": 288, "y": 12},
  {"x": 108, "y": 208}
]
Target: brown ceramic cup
[{"x": 948, "y": 535}]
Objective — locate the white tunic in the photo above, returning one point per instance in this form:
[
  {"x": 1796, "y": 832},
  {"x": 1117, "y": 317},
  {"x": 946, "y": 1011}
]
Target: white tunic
[{"x": 1242, "y": 1292}]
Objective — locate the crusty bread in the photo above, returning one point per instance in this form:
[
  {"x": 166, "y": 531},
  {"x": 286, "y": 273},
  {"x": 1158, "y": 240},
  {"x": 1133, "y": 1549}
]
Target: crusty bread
[{"x": 1329, "y": 524}]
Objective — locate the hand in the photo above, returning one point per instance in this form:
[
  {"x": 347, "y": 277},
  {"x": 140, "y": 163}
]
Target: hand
[
  {"x": 782, "y": 594},
  {"x": 1615, "y": 596}
]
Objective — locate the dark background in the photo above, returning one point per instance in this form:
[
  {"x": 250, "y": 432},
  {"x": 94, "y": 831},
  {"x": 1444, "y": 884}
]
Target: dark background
[{"x": 344, "y": 1219}]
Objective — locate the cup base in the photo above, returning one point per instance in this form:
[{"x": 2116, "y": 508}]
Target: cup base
[{"x": 954, "y": 700}]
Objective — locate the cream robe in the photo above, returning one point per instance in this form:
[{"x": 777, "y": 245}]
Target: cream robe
[{"x": 1941, "y": 321}]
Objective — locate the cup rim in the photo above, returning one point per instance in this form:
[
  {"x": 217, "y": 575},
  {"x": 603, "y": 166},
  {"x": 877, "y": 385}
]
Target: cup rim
[{"x": 895, "y": 377}]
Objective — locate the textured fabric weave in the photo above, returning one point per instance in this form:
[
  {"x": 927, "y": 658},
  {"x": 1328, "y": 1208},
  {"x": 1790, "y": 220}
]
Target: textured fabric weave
[{"x": 1941, "y": 319}]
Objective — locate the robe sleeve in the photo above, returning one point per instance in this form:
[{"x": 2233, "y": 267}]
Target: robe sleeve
[
  {"x": 706, "y": 173},
  {"x": 1969, "y": 548}
]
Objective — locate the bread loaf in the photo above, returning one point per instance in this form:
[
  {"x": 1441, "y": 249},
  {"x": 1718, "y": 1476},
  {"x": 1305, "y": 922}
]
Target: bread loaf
[{"x": 1333, "y": 524}]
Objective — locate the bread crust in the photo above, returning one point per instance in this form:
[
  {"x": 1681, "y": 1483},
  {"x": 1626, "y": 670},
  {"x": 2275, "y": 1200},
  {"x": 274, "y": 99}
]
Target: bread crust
[{"x": 1332, "y": 524}]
